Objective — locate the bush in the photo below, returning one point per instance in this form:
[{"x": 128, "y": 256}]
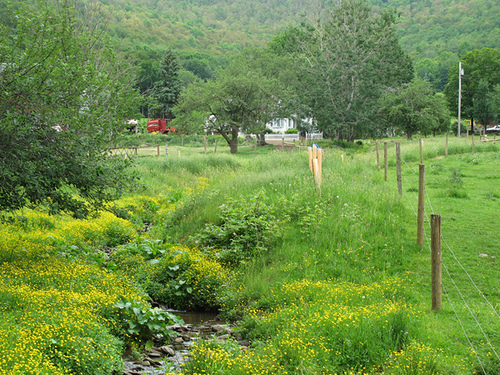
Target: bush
[
  {"x": 245, "y": 230},
  {"x": 179, "y": 277}
]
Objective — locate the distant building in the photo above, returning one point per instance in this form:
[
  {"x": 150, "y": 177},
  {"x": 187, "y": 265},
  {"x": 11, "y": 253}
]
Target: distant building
[{"x": 281, "y": 125}]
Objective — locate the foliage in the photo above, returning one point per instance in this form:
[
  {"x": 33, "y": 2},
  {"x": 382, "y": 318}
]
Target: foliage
[
  {"x": 179, "y": 277},
  {"x": 414, "y": 108},
  {"x": 242, "y": 97},
  {"x": 493, "y": 103},
  {"x": 165, "y": 91},
  {"x": 143, "y": 321},
  {"x": 348, "y": 57},
  {"x": 481, "y": 72},
  {"x": 438, "y": 31},
  {"x": 35, "y": 234},
  {"x": 64, "y": 97},
  {"x": 244, "y": 231},
  {"x": 61, "y": 313}
]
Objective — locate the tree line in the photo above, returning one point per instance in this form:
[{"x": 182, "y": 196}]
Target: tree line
[{"x": 342, "y": 72}]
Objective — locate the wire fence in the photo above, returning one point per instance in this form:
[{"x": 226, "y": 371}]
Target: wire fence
[{"x": 479, "y": 322}]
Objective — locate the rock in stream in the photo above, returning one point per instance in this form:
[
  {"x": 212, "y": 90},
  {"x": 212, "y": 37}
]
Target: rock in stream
[{"x": 169, "y": 358}]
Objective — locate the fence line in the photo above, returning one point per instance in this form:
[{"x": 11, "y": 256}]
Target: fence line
[{"x": 448, "y": 296}]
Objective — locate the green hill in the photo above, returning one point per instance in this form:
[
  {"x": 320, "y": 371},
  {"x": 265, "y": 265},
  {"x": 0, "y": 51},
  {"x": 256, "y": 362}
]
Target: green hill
[{"x": 434, "y": 32}]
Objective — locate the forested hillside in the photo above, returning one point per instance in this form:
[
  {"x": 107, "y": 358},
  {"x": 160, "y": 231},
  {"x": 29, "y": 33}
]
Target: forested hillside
[{"x": 434, "y": 32}]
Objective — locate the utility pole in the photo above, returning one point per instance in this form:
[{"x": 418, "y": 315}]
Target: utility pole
[{"x": 460, "y": 74}]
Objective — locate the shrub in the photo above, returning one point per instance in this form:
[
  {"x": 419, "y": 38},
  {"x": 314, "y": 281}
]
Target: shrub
[
  {"x": 245, "y": 229},
  {"x": 179, "y": 277}
]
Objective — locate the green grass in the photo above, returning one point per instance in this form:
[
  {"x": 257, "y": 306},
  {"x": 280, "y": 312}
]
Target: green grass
[
  {"x": 341, "y": 286},
  {"x": 356, "y": 229}
]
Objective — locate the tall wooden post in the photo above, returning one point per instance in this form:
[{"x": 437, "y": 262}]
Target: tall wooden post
[
  {"x": 378, "y": 155},
  {"x": 421, "y": 141},
  {"x": 386, "y": 162},
  {"x": 398, "y": 168},
  {"x": 283, "y": 143},
  {"x": 320, "y": 162},
  {"x": 310, "y": 152},
  {"x": 182, "y": 140},
  {"x": 215, "y": 149},
  {"x": 437, "y": 261},
  {"x": 421, "y": 205},
  {"x": 255, "y": 146},
  {"x": 473, "y": 145},
  {"x": 446, "y": 149}
]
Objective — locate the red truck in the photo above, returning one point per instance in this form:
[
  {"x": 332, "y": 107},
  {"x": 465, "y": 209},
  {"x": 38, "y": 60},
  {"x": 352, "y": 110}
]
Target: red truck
[{"x": 160, "y": 126}]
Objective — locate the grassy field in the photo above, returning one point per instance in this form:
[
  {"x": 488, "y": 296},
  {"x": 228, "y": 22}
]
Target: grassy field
[{"x": 321, "y": 281}]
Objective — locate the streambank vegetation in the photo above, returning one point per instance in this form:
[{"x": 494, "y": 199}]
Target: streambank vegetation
[{"x": 318, "y": 281}]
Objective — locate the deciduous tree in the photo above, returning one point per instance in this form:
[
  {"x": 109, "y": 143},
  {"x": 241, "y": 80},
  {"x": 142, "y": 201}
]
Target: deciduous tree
[
  {"x": 63, "y": 99},
  {"x": 414, "y": 107},
  {"x": 348, "y": 57},
  {"x": 242, "y": 97},
  {"x": 478, "y": 65}
]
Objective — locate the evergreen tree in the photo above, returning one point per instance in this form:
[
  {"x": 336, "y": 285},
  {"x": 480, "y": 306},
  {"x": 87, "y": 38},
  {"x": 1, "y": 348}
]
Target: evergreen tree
[{"x": 166, "y": 90}]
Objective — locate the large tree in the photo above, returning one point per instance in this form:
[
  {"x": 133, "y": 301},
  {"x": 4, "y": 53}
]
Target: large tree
[
  {"x": 414, "y": 107},
  {"x": 480, "y": 67},
  {"x": 493, "y": 101},
  {"x": 63, "y": 98},
  {"x": 348, "y": 57},
  {"x": 243, "y": 97}
]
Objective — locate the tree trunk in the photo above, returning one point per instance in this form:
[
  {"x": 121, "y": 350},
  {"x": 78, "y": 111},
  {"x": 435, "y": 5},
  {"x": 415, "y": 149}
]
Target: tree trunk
[
  {"x": 261, "y": 139},
  {"x": 233, "y": 144}
]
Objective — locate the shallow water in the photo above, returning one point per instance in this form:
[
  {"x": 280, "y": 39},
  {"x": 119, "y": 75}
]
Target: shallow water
[{"x": 194, "y": 317}]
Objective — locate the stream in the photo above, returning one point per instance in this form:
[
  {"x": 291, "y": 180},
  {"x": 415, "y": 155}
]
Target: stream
[{"x": 169, "y": 358}]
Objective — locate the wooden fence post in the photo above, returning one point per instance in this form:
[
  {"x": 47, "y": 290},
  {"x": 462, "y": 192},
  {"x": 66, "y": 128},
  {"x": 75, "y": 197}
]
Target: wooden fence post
[
  {"x": 386, "y": 162},
  {"x": 398, "y": 168},
  {"x": 320, "y": 162},
  {"x": 378, "y": 155},
  {"x": 309, "y": 150},
  {"x": 215, "y": 149},
  {"x": 421, "y": 205},
  {"x": 255, "y": 146},
  {"x": 437, "y": 261},
  {"x": 283, "y": 143},
  {"x": 421, "y": 141},
  {"x": 182, "y": 140}
]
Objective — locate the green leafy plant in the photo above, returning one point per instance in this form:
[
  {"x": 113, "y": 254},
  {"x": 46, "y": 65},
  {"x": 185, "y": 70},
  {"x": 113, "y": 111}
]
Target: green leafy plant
[
  {"x": 143, "y": 322},
  {"x": 245, "y": 229}
]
